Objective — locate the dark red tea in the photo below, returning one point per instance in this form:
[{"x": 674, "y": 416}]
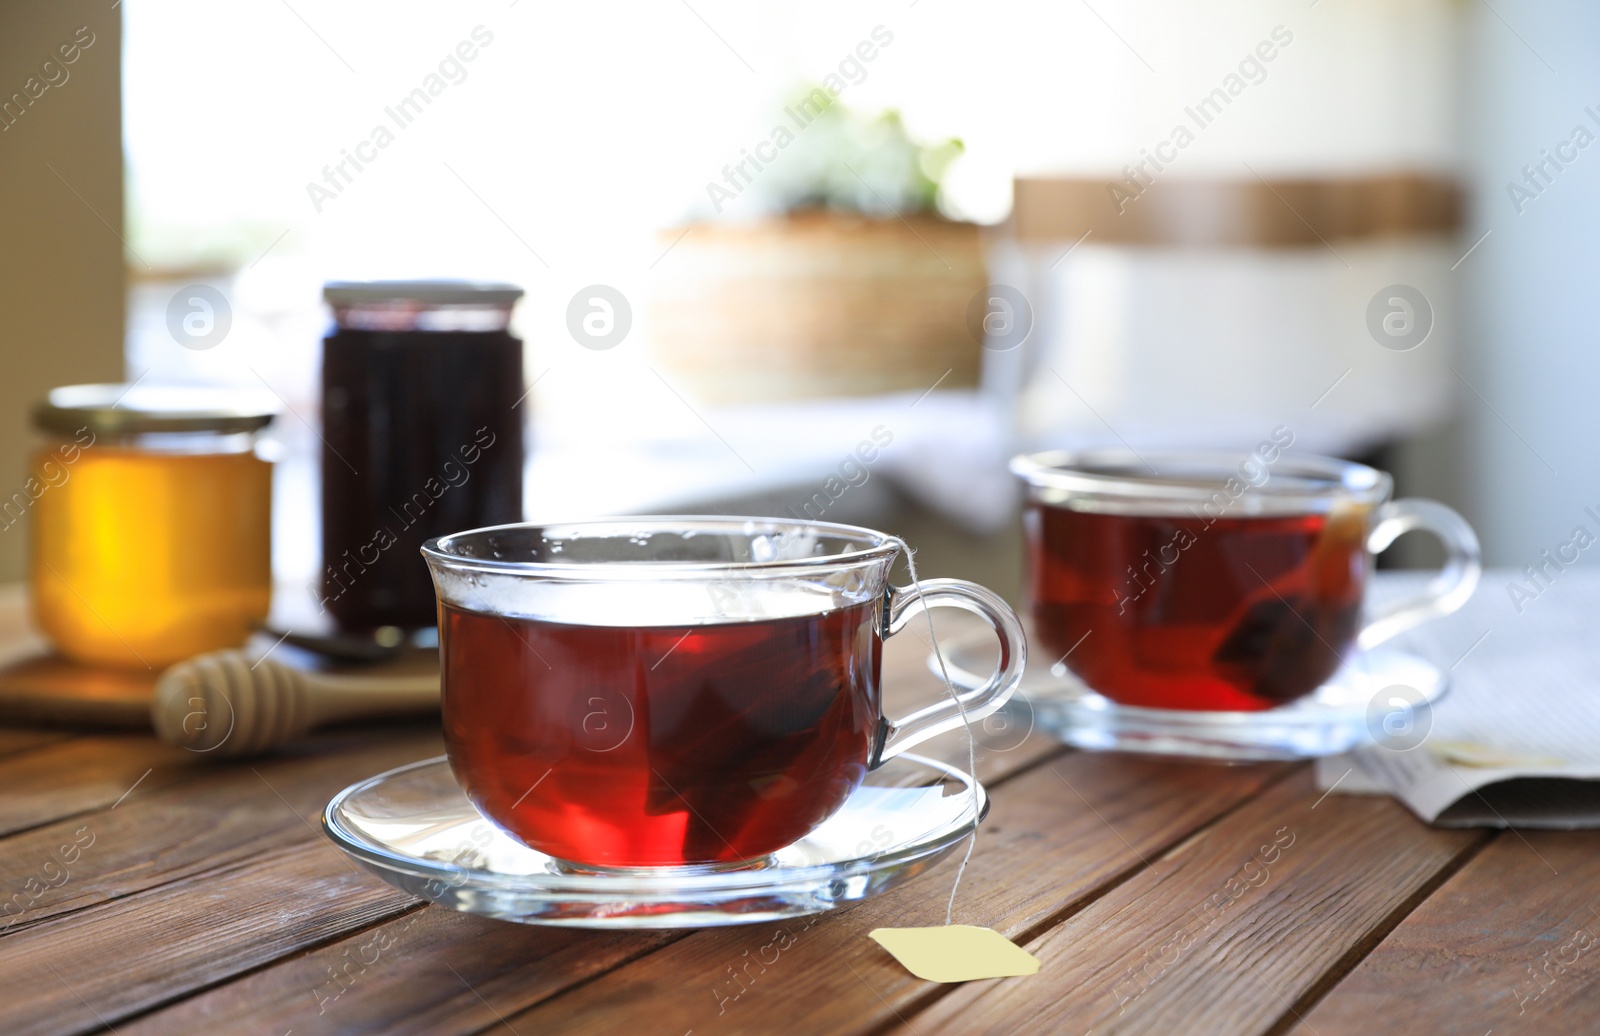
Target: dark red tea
[
  {"x": 661, "y": 745},
  {"x": 1177, "y": 612}
]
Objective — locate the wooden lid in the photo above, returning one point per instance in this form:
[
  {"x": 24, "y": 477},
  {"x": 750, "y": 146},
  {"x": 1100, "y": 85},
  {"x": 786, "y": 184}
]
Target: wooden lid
[{"x": 1234, "y": 212}]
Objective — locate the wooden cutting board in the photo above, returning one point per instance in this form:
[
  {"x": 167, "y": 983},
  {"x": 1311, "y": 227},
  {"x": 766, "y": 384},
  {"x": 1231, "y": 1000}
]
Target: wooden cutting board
[
  {"x": 51, "y": 691},
  {"x": 40, "y": 688}
]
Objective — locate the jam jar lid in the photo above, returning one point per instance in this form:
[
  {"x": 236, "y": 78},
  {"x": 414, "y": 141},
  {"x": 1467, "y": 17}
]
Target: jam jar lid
[
  {"x": 341, "y": 294},
  {"x": 134, "y": 409}
]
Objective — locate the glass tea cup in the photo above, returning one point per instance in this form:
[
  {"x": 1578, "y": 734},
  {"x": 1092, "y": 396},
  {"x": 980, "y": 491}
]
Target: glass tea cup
[
  {"x": 680, "y": 691},
  {"x": 1219, "y": 581}
]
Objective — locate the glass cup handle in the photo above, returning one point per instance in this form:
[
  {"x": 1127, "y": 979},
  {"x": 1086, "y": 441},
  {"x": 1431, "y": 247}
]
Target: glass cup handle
[
  {"x": 906, "y": 602},
  {"x": 1448, "y": 590}
]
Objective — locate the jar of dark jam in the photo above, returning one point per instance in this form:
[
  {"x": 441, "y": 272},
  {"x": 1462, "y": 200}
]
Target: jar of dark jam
[{"x": 422, "y": 436}]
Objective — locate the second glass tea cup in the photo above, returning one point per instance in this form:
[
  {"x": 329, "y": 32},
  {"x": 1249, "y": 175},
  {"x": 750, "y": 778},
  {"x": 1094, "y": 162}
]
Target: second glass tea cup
[{"x": 1219, "y": 581}]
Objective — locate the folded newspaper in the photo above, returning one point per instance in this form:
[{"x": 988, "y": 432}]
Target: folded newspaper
[{"x": 1516, "y": 741}]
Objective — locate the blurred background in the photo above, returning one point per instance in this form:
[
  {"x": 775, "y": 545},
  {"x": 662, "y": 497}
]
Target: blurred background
[{"x": 966, "y": 229}]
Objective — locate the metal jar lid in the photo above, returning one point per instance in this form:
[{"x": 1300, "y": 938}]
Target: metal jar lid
[
  {"x": 133, "y": 409},
  {"x": 346, "y": 294}
]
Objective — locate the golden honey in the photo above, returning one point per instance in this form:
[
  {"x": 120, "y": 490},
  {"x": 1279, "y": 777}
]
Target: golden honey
[{"x": 150, "y": 548}]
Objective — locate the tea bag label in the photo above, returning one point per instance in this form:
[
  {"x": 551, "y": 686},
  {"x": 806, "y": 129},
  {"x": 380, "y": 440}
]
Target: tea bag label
[
  {"x": 1487, "y": 757},
  {"x": 955, "y": 953}
]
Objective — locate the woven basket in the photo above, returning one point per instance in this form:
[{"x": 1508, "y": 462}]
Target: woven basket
[{"x": 816, "y": 305}]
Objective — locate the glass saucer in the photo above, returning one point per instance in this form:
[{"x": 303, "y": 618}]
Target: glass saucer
[
  {"x": 414, "y": 827},
  {"x": 1352, "y": 708}
]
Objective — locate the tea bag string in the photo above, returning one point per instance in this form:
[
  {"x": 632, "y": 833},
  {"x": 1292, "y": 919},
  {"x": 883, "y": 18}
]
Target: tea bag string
[{"x": 972, "y": 750}]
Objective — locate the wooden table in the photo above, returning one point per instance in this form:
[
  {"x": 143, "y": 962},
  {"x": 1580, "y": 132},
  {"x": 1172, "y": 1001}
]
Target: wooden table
[{"x": 163, "y": 892}]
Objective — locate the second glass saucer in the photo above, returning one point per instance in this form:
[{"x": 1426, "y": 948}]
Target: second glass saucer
[
  {"x": 1339, "y": 716},
  {"x": 414, "y": 827}
]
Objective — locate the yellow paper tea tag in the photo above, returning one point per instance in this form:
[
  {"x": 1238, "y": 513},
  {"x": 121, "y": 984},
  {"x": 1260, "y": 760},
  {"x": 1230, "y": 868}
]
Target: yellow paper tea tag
[
  {"x": 955, "y": 953},
  {"x": 1467, "y": 753}
]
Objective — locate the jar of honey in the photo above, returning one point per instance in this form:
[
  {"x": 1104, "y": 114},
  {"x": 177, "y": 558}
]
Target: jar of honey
[{"x": 151, "y": 522}]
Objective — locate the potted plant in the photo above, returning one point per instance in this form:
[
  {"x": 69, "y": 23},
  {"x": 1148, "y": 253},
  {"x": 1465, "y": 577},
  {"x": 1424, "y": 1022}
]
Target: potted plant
[{"x": 824, "y": 268}]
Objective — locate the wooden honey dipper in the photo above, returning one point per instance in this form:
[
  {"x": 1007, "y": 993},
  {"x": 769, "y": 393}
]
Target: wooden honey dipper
[{"x": 228, "y": 704}]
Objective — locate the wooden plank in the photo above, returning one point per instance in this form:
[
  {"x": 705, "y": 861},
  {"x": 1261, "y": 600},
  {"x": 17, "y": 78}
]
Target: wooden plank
[
  {"x": 437, "y": 971},
  {"x": 1057, "y": 835},
  {"x": 22, "y": 739},
  {"x": 432, "y": 971},
  {"x": 1223, "y": 934},
  {"x": 243, "y": 809},
  {"x": 84, "y": 971},
  {"x": 1510, "y": 943},
  {"x": 95, "y": 772},
  {"x": 84, "y": 774}
]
